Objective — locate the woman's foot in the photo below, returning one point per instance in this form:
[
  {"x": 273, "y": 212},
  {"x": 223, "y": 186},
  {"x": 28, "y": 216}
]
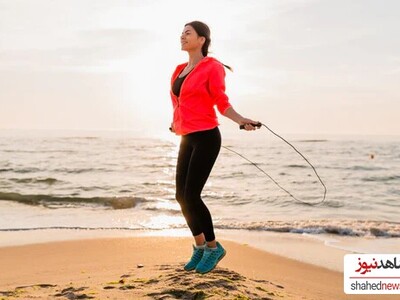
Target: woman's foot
[
  {"x": 210, "y": 259},
  {"x": 197, "y": 255}
]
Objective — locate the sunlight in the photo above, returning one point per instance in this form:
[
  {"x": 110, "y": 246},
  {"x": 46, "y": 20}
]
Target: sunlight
[
  {"x": 168, "y": 205},
  {"x": 164, "y": 222}
]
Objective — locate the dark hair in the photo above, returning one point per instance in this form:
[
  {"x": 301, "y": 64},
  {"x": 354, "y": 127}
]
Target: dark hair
[{"x": 203, "y": 30}]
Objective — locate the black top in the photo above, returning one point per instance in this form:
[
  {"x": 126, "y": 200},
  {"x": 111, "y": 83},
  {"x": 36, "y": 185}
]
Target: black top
[{"x": 176, "y": 86}]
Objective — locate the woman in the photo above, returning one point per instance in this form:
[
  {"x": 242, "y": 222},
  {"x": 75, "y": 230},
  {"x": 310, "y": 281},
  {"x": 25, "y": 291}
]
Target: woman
[{"x": 196, "y": 86}]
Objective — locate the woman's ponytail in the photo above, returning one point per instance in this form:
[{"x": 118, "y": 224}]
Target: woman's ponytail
[
  {"x": 228, "y": 67},
  {"x": 202, "y": 29}
]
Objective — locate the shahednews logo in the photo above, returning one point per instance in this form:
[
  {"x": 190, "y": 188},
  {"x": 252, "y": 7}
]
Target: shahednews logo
[{"x": 372, "y": 273}]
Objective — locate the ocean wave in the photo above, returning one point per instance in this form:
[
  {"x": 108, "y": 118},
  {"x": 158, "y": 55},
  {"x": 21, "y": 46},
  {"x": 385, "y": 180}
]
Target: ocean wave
[
  {"x": 381, "y": 178},
  {"x": 232, "y": 175},
  {"x": 339, "y": 227},
  {"x": 163, "y": 210},
  {"x": 23, "y": 171},
  {"x": 81, "y": 170},
  {"x": 296, "y": 166},
  {"x": 62, "y": 201},
  {"x": 38, "y": 151},
  {"x": 354, "y": 228},
  {"x": 155, "y": 165},
  {"x": 70, "y": 228},
  {"x": 365, "y": 168},
  {"x": 48, "y": 181},
  {"x": 312, "y": 141},
  {"x": 159, "y": 183},
  {"x": 80, "y": 138}
]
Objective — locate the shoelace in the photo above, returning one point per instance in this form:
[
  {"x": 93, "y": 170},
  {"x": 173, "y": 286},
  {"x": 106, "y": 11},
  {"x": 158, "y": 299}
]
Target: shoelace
[
  {"x": 210, "y": 257},
  {"x": 198, "y": 253}
]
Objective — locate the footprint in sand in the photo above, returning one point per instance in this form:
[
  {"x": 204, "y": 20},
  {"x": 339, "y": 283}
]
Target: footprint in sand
[
  {"x": 172, "y": 282},
  {"x": 71, "y": 293}
]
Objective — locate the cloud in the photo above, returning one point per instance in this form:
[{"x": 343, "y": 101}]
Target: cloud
[{"x": 90, "y": 48}]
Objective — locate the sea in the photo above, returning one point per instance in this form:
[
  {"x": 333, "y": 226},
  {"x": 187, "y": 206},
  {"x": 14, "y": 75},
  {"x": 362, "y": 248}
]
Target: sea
[{"x": 123, "y": 181}]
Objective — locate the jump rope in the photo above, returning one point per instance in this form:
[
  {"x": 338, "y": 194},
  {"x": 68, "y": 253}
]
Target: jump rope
[{"x": 273, "y": 180}]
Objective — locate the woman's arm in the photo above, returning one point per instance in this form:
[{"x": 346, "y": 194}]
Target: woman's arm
[
  {"x": 231, "y": 113},
  {"x": 217, "y": 90}
]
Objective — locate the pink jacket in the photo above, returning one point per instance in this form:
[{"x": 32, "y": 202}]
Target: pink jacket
[{"x": 203, "y": 88}]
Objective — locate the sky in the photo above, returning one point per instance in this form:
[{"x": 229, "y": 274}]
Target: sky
[{"x": 301, "y": 67}]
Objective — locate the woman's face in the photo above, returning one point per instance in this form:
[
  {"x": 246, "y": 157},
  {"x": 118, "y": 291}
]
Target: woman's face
[{"x": 190, "y": 40}]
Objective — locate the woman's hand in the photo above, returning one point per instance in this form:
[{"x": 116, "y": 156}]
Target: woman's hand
[
  {"x": 171, "y": 128},
  {"x": 249, "y": 124}
]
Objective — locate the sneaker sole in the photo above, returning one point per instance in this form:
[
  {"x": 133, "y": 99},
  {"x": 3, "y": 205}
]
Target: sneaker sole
[
  {"x": 191, "y": 269},
  {"x": 219, "y": 259}
]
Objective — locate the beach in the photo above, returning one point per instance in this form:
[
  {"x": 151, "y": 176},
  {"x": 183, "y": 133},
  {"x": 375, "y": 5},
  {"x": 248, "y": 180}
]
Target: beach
[{"x": 151, "y": 268}]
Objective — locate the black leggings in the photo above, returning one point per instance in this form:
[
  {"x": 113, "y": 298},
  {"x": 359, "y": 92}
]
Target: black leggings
[{"x": 197, "y": 154}]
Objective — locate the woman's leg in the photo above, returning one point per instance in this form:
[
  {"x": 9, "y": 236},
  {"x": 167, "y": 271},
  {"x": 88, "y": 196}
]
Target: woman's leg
[
  {"x": 182, "y": 167},
  {"x": 197, "y": 155},
  {"x": 206, "y": 147},
  {"x": 204, "y": 155}
]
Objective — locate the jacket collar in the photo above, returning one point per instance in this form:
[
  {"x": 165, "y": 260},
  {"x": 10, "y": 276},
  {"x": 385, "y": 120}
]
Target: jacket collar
[{"x": 180, "y": 67}]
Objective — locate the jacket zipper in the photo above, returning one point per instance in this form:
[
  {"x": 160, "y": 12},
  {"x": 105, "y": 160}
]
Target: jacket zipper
[{"x": 183, "y": 83}]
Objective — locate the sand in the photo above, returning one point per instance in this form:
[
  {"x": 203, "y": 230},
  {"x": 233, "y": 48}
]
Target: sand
[{"x": 151, "y": 268}]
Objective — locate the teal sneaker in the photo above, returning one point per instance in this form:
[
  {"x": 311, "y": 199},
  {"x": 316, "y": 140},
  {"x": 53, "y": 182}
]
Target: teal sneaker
[
  {"x": 210, "y": 259},
  {"x": 195, "y": 259}
]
